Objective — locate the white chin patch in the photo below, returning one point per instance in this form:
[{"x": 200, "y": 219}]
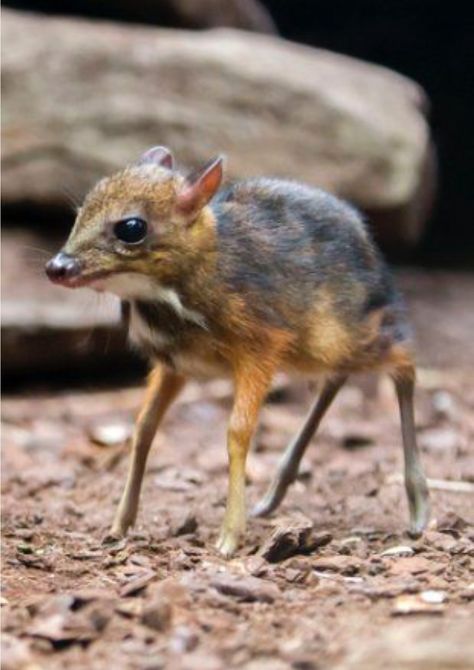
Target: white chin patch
[
  {"x": 131, "y": 286},
  {"x": 128, "y": 286}
]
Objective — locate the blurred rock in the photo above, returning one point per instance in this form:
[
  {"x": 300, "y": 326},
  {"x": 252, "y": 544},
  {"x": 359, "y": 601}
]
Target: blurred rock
[
  {"x": 82, "y": 99},
  {"x": 48, "y": 328},
  {"x": 243, "y": 14},
  {"x": 443, "y": 406},
  {"x": 157, "y": 615},
  {"x": 16, "y": 654},
  {"x": 441, "y": 440},
  {"x": 417, "y": 645}
]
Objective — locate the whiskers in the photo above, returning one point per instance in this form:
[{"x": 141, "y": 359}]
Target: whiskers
[
  {"x": 35, "y": 259},
  {"x": 73, "y": 198}
]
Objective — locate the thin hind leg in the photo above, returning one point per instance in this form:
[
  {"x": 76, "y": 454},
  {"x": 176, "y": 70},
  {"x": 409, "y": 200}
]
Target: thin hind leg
[
  {"x": 288, "y": 468},
  {"x": 415, "y": 482}
]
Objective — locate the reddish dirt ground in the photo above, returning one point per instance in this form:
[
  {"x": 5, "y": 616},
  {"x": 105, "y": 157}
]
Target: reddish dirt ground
[{"x": 164, "y": 599}]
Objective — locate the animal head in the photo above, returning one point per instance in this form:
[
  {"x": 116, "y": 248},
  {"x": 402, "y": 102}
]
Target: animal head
[{"x": 140, "y": 225}]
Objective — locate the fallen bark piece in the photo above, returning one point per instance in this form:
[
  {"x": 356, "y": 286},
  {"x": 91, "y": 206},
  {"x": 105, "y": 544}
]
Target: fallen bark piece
[
  {"x": 346, "y": 565},
  {"x": 38, "y": 562},
  {"x": 438, "y": 484},
  {"x": 414, "y": 565},
  {"x": 452, "y": 523},
  {"x": 137, "y": 583},
  {"x": 449, "y": 485},
  {"x": 88, "y": 595},
  {"x": 63, "y": 628},
  {"x": 289, "y": 538},
  {"x": 130, "y": 608},
  {"x": 184, "y": 525},
  {"x": 467, "y": 593},
  {"x": 246, "y": 589},
  {"x": 440, "y": 541}
]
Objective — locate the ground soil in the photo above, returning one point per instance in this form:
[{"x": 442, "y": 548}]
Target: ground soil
[{"x": 164, "y": 599}]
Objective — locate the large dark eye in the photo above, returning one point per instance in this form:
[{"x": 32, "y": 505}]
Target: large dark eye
[{"x": 131, "y": 231}]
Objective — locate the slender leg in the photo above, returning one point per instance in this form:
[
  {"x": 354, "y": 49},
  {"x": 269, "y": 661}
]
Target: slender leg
[
  {"x": 163, "y": 387},
  {"x": 251, "y": 387},
  {"x": 415, "y": 482},
  {"x": 288, "y": 467}
]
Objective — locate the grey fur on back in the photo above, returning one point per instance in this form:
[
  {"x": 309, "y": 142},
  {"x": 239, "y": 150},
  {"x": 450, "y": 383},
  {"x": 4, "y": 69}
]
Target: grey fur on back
[{"x": 280, "y": 242}]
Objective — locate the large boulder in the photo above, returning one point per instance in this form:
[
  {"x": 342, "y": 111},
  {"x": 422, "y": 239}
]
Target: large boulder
[{"x": 83, "y": 98}]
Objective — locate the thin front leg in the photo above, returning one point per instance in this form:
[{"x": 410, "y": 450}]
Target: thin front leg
[
  {"x": 251, "y": 386},
  {"x": 289, "y": 465},
  {"x": 163, "y": 387},
  {"x": 415, "y": 482}
]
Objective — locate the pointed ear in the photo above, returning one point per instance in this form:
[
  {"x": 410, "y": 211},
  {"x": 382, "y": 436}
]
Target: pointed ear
[
  {"x": 157, "y": 156},
  {"x": 200, "y": 187}
]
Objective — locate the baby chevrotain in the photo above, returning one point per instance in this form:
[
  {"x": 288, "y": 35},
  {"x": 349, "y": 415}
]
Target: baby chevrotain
[{"x": 263, "y": 275}]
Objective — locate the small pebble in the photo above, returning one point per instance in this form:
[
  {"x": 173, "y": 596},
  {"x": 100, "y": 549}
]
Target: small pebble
[
  {"x": 399, "y": 550},
  {"x": 443, "y": 405},
  {"x": 110, "y": 434},
  {"x": 433, "y": 597}
]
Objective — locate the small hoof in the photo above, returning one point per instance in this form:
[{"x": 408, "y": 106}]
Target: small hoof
[
  {"x": 262, "y": 508},
  {"x": 418, "y": 524},
  {"x": 267, "y": 504},
  {"x": 227, "y": 544},
  {"x": 416, "y": 529},
  {"x": 112, "y": 538}
]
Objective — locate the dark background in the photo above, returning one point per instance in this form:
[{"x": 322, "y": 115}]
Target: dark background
[{"x": 431, "y": 42}]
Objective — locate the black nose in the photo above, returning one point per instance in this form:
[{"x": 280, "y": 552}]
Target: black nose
[{"x": 62, "y": 267}]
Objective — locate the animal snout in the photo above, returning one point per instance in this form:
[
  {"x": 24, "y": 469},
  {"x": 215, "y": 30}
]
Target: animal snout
[{"x": 62, "y": 268}]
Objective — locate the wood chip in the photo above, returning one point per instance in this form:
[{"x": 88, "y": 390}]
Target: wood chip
[
  {"x": 246, "y": 589},
  {"x": 346, "y": 565},
  {"x": 186, "y": 524},
  {"x": 412, "y": 565},
  {"x": 438, "y": 484},
  {"x": 289, "y": 538},
  {"x": 130, "y": 608},
  {"x": 137, "y": 583}
]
